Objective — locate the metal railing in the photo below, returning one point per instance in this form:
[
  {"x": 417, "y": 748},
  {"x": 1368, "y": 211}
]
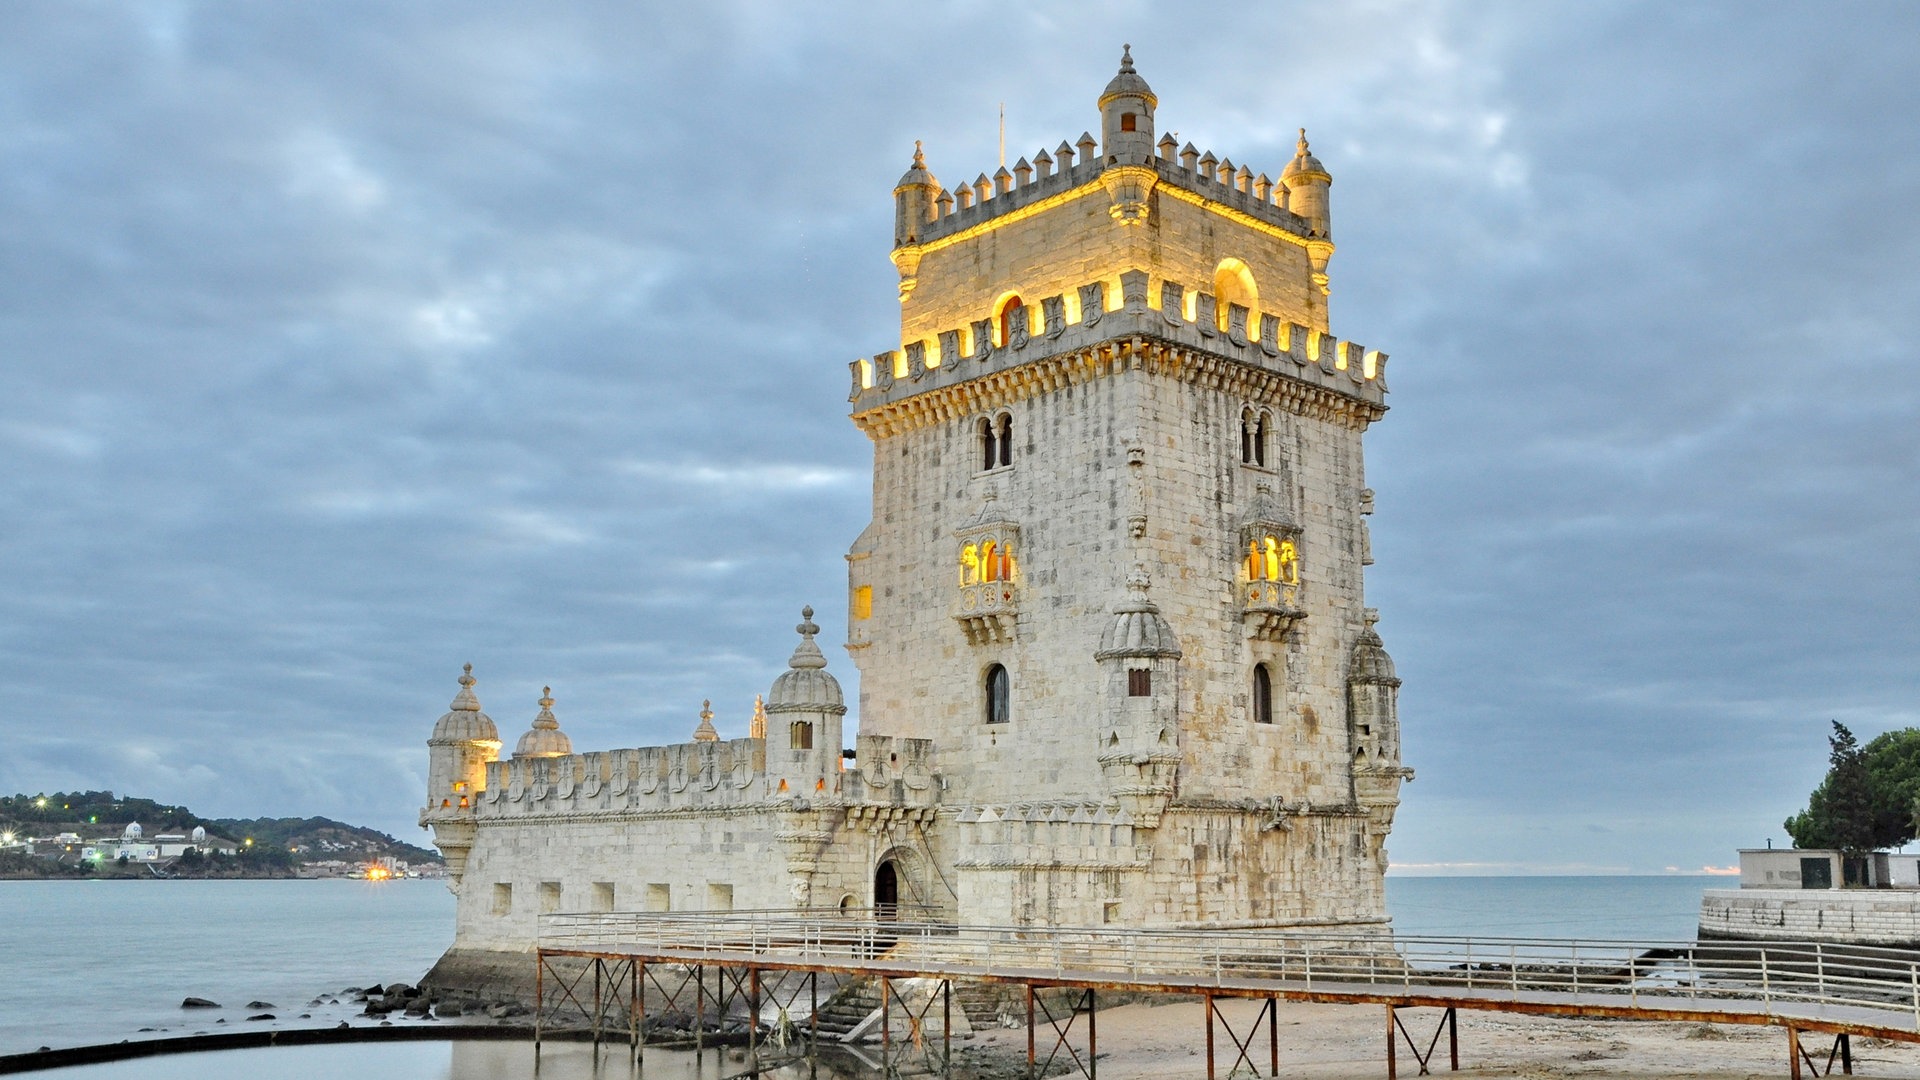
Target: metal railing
[{"x": 1783, "y": 981}]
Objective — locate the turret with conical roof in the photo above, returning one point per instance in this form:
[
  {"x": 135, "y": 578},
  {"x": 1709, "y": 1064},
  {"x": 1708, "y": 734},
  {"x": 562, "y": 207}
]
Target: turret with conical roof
[
  {"x": 913, "y": 199},
  {"x": 544, "y": 738}
]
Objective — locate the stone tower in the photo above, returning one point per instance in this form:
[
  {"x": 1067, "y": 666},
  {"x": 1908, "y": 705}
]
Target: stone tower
[{"x": 1115, "y": 566}]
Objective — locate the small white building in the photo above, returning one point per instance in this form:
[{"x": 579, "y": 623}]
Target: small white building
[{"x": 1819, "y": 868}]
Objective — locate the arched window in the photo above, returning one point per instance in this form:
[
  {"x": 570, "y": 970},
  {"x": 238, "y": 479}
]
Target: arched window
[
  {"x": 989, "y": 452},
  {"x": 1006, "y": 438},
  {"x": 1012, "y": 309},
  {"x": 1253, "y": 437},
  {"x": 1233, "y": 284},
  {"x": 1288, "y": 572},
  {"x": 800, "y": 736},
  {"x": 1273, "y": 559},
  {"x": 1262, "y": 695},
  {"x": 969, "y": 565},
  {"x": 990, "y": 561},
  {"x": 999, "y": 698}
]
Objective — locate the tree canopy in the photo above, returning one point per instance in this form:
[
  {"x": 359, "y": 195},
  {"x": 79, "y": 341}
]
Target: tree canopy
[{"x": 1869, "y": 798}]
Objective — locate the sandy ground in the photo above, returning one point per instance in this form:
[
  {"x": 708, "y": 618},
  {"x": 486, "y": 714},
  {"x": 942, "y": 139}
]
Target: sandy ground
[{"x": 1327, "y": 1041}]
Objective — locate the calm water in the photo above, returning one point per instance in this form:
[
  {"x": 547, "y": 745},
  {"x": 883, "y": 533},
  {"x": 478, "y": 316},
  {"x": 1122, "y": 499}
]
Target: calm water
[{"x": 96, "y": 961}]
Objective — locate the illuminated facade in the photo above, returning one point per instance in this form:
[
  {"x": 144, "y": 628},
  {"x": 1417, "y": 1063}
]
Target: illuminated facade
[{"x": 1115, "y": 660}]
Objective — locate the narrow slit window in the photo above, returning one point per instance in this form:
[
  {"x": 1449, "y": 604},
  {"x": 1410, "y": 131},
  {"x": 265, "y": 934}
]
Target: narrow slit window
[
  {"x": 1006, "y": 438},
  {"x": 1262, "y": 695},
  {"x": 989, "y": 452},
  {"x": 1140, "y": 683}
]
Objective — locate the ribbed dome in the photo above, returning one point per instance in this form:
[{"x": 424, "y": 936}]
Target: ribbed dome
[
  {"x": 1127, "y": 82},
  {"x": 1137, "y": 628},
  {"x": 465, "y": 722},
  {"x": 917, "y": 174},
  {"x": 1370, "y": 662},
  {"x": 1304, "y": 165},
  {"x": 544, "y": 739},
  {"x": 805, "y": 686}
]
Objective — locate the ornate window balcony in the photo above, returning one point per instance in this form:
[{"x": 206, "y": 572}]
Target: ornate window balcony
[{"x": 988, "y": 611}]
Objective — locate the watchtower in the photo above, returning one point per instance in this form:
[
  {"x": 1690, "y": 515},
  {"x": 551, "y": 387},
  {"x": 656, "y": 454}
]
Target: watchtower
[{"x": 1116, "y": 562}]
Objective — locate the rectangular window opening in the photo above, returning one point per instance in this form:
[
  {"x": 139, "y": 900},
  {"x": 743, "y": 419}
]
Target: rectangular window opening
[
  {"x": 719, "y": 897},
  {"x": 502, "y": 898},
  {"x": 659, "y": 897},
  {"x": 549, "y": 897},
  {"x": 602, "y": 899},
  {"x": 1140, "y": 683}
]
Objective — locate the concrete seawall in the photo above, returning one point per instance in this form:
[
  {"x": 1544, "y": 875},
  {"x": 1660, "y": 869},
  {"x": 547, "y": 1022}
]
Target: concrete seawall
[{"x": 1889, "y": 917}]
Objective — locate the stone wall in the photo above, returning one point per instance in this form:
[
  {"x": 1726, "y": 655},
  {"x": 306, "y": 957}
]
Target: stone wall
[{"x": 1853, "y": 916}]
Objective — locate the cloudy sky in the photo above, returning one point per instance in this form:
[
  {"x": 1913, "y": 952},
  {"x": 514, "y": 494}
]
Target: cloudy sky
[{"x": 343, "y": 343}]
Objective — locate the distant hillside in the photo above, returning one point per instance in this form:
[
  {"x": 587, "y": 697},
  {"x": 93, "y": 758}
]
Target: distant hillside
[{"x": 282, "y": 841}]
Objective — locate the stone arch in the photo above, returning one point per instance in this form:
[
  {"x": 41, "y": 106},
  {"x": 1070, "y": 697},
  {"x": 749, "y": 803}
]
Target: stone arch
[{"x": 1233, "y": 284}]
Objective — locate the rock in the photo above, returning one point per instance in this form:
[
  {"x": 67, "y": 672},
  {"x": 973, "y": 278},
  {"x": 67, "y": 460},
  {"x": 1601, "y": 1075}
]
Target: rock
[
  {"x": 306, "y": 1016},
  {"x": 199, "y": 1003},
  {"x": 342, "y": 1026},
  {"x": 416, "y": 1008},
  {"x": 222, "y": 1020},
  {"x": 449, "y": 1008},
  {"x": 261, "y": 1005},
  {"x": 261, "y": 1016},
  {"x": 398, "y": 990}
]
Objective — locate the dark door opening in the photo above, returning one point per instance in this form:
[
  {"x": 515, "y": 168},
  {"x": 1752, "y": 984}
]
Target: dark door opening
[{"x": 886, "y": 890}]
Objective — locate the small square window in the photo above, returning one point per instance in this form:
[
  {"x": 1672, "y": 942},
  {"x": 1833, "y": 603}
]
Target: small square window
[
  {"x": 1140, "y": 683},
  {"x": 659, "y": 897},
  {"x": 719, "y": 897},
  {"x": 602, "y": 898},
  {"x": 549, "y": 897},
  {"x": 502, "y": 898}
]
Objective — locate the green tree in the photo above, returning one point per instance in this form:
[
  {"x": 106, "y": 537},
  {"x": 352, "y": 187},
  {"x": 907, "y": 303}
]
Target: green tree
[{"x": 1867, "y": 800}]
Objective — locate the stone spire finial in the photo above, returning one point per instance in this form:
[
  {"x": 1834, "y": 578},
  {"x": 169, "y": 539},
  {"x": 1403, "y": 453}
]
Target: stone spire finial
[
  {"x": 545, "y": 720},
  {"x": 1126, "y": 58},
  {"x": 757, "y": 727},
  {"x": 705, "y": 732},
  {"x": 465, "y": 701},
  {"x": 1138, "y": 580},
  {"x": 919, "y": 158},
  {"x": 807, "y": 654}
]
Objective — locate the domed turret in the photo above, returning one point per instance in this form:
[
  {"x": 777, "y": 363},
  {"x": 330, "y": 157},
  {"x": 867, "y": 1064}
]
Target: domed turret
[
  {"x": 1126, "y": 115},
  {"x": 1307, "y": 182},
  {"x": 1370, "y": 663},
  {"x": 807, "y": 702},
  {"x": 544, "y": 739},
  {"x": 199, "y": 835},
  {"x": 1137, "y": 628},
  {"x": 805, "y": 685},
  {"x": 132, "y": 832},
  {"x": 913, "y": 200},
  {"x": 464, "y": 721}
]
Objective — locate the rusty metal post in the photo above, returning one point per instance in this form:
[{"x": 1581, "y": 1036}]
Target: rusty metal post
[
  {"x": 699, "y": 1009},
  {"x": 886, "y": 1025},
  {"x": 1030, "y": 1032},
  {"x": 633, "y": 1010},
  {"x": 539, "y": 997},
  {"x": 1453, "y": 1038},
  {"x": 1209, "y": 1000},
  {"x": 1392, "y": 1071},
  {"x": 753, "y": 1018},
  {"x": 813, "y": 1013},
  {"x": 1846, "y": 1054},
  {"x": 1273, "y": 1036},
  {"x": 1093, "y": 1045},
  {"x": 1793, "y": 1053},
  {"x": 599, "y": 965},
  {"x": 946, "y": 1026}
]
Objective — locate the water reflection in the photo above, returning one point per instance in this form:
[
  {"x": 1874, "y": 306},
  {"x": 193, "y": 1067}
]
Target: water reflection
[{"x": 466, "y": 1060}]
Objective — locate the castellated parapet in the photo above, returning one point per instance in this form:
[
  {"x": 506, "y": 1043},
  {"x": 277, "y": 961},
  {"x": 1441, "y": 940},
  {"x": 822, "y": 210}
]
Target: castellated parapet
[{"x": 1117, "y": 664}]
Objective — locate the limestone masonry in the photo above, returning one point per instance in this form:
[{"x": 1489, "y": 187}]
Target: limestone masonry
[{"x": 1116, "y": 664}]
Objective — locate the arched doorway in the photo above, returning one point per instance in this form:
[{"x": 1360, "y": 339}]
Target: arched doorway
[{"x": 886, "y": 890}]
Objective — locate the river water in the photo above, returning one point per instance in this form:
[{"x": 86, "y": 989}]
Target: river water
[{"x": 86, "y": 962}]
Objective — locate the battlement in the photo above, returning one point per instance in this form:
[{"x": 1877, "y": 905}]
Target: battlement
[
  {"x": 988, "y": 199},
  {"x": 1086, "y": 318},
  {"x": 709, "y": 775}
]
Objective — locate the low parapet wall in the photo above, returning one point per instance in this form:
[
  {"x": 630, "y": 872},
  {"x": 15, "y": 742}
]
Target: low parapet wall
[{"x": 1850, "y": 916}]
